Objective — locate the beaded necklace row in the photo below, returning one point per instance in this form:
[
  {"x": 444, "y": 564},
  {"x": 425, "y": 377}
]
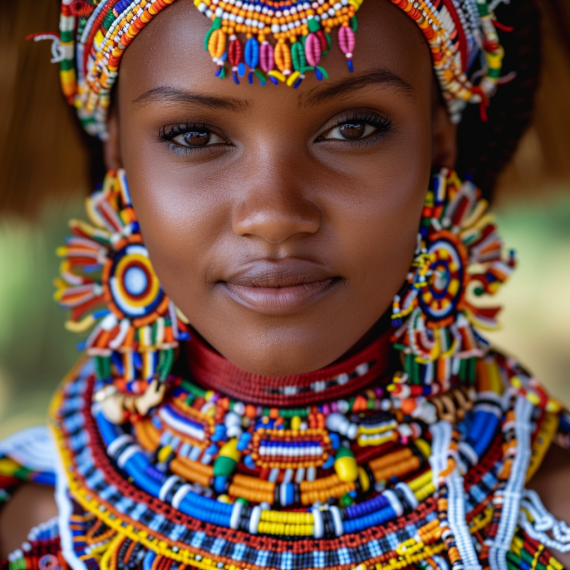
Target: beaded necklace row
[{"x": 196, "y": 499}]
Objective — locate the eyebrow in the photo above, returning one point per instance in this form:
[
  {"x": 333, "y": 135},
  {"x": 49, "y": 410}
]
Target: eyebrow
[
  {"x": 344, "y": 86},
  {"x": 174, "y": 95}
]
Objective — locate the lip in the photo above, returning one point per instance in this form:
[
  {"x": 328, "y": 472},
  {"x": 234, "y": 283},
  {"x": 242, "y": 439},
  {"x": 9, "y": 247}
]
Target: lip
[{"x": 280, "y": 287}]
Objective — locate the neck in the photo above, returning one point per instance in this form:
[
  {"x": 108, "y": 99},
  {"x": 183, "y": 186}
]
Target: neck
[{"x": 359, "y": 369}]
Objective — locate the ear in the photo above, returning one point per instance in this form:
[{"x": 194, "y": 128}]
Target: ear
[
  {"x": 112, "y": 146},
  {"x": 444, "y": 138}
]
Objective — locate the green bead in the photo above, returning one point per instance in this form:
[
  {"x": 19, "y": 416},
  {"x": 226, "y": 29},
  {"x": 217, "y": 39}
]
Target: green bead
[
  {"x": 224, "y": 466},
  {"x": 346, "y": 500},
  {"x": 354, "y": 24},
  {"x": 314, "y": 25},
  {"x": 207, "y": 38}
]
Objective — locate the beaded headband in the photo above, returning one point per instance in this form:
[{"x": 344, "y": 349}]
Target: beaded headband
[{"x": 276, "y": 40}]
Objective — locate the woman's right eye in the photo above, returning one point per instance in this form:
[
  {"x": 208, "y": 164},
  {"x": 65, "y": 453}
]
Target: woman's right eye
[
  {"x": 197, "y": 138},
  {"x": 190, "y": 136}
]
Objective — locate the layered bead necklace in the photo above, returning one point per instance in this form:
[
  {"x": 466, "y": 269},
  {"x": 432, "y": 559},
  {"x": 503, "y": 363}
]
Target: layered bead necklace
[{"x": 208, "y": 480}]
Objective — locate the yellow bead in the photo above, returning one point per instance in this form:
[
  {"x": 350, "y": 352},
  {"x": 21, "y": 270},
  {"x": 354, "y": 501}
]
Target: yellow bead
[
  {"x": 164, "y": 453},
  {"x": 296, "y": 423},
  {"x": 346, "y": 468},
  {"x": 364, "y": 479},
  {"x": 230, "y": 450}
]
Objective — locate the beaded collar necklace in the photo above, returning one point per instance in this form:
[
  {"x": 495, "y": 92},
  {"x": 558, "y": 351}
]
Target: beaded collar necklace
[
  {"x": 209, "y": 481},
  {"x": 212, "y": 371}
]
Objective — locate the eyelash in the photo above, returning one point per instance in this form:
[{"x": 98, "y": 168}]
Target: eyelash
[
  {"x": 167, "y": 134},
  {"x": 381, "y": 123}
]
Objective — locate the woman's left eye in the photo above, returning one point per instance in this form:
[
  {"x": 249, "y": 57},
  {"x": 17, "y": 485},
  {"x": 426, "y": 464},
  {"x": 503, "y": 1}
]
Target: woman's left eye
[
  {"x": 352, "y": 131},
  {"x": 196, "y": 138},
  {"x": 355, "y": 127}
]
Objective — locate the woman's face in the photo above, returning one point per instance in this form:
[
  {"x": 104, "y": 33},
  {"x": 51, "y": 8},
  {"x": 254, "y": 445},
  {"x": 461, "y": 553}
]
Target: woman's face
[{"x": 281, "y": 222}]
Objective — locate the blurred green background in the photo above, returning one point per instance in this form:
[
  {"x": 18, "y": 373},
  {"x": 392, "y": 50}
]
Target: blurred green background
[{"x": 36, "y": 351}]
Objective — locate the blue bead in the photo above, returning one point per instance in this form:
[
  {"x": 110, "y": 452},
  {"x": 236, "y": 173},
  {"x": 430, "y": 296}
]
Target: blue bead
[
  {"x": 244, "y": 441},
  {"x": 251, "y": 53},
  {"x": 329, "y": 462},
  {"x": 249, "y": 462},
  {"x": 335, "y": 440},
  {"x": 219, "y": 433},
  {"x": 212, "y": 449},
  {"x": 220, "y": 484}
]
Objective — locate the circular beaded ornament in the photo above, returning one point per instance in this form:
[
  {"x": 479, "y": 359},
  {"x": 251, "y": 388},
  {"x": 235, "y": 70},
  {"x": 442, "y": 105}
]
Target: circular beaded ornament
[
  {"x": 459, "y": 255},
  {"x": 109, "y": 284}
]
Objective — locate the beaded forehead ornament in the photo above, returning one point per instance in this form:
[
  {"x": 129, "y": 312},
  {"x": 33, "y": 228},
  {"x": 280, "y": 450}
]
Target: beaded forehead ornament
[{"x": 271, "y": 40}]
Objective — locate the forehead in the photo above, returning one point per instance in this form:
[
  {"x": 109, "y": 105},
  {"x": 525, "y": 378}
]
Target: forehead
[{"x": 169, "y": 53}]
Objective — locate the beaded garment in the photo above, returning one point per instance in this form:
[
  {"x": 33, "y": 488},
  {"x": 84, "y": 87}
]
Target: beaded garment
[{"x": 207, "y": 481}]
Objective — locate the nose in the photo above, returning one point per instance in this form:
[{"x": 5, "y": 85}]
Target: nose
[{"x": 275, "y": 207}]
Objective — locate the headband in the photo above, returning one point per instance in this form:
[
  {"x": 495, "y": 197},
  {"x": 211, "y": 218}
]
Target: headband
[{"x": 272, "y": 40}]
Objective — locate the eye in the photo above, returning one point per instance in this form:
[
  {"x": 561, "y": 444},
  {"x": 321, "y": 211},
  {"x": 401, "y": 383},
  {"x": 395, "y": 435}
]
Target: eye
[
  {"x": 356, "y": 127},
  {"x": 350, "y": 131},
  {"x": 197, "y": 137},
  {"x": 190, "y": 136}
]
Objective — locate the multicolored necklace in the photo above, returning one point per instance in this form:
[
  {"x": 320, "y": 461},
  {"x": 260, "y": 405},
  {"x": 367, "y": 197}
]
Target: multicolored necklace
[{"x": 208, "y": 481}]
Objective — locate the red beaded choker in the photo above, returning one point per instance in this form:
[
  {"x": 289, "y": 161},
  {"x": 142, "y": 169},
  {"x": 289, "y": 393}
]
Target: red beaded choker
[{"x": 212, "y": 371}]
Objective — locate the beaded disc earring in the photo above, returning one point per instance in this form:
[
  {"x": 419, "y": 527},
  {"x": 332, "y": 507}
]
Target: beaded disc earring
[
  {"x": 459, "y": 256},
  {"x": 108, "y": 283}
]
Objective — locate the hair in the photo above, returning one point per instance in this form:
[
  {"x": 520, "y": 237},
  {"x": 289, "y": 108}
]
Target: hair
[{"x": 484, "y": 148}]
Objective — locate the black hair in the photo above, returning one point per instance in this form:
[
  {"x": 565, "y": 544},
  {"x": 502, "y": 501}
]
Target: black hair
[{"x": 484, "y": 148}]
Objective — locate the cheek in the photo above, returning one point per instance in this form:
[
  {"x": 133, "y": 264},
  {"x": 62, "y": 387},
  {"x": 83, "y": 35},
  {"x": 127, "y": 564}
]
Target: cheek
[
  {"x": 379, "y": 225},
  {"x": 182, "y": 222}
]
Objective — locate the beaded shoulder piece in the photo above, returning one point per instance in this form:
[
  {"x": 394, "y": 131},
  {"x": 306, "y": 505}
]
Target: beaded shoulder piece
[
  {"x": 30, "y": 456},
  {"x": 210, "y": 482}
]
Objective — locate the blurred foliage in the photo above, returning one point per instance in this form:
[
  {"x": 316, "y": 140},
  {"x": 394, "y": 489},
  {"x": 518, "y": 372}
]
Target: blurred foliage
[{"x": 36, "y": 352}]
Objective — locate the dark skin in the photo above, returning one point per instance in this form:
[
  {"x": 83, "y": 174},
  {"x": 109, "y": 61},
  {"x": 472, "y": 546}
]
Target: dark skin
[{"x": 280, "y": 221}]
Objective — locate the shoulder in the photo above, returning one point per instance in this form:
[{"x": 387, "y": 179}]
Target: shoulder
[{"x": 27, "y": 479}]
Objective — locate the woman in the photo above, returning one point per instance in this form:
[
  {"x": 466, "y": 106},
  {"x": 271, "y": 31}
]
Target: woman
[{"x": 298, "y": 380}]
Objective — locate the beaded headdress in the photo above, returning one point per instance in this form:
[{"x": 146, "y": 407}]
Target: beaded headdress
[{"x": 273, "y": 40}]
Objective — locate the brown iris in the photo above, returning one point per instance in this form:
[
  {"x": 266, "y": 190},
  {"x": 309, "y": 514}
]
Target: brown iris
[
  {"x": 197, "y": 138},
  {"x": 352, "y": 131}
]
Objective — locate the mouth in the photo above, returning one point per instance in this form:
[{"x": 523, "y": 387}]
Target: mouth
[{"x": 281, "y": 287}]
